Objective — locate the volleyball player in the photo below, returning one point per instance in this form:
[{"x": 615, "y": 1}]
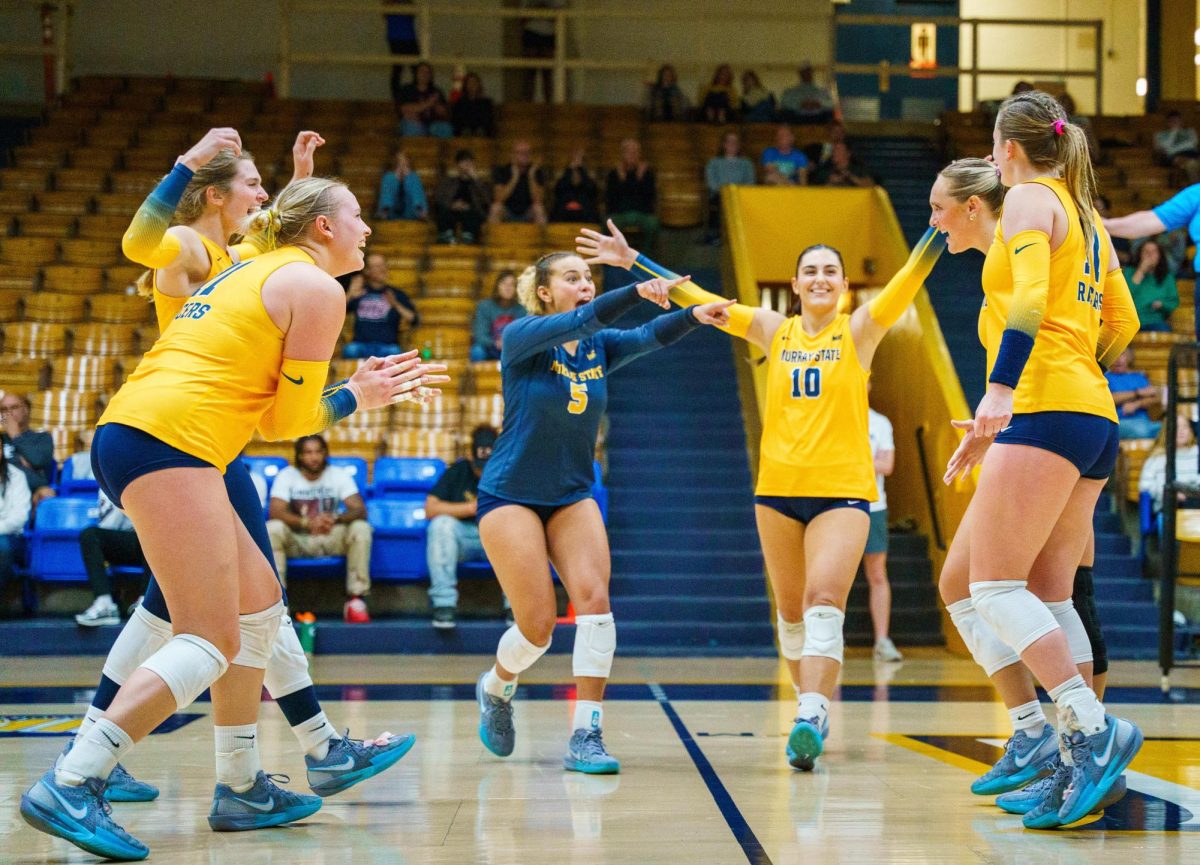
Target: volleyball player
[
  {"x": 535, "y": 503},
  {"x": 816, "y": 472}
]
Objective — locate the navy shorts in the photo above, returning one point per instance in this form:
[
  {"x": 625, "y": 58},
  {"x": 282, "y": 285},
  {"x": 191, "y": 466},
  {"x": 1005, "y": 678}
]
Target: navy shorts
[
  {"x": 805, "y": 509},
  {"x": 1090, "y": 442},
  {"x": 486, "y": 502},
  {"x": 121, "y": 454}
]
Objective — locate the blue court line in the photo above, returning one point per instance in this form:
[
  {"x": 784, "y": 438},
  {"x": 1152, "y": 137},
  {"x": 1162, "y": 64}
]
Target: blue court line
[{"x": 755, "y": 854}]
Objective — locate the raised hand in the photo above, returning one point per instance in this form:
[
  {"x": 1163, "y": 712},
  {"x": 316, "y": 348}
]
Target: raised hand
[
  {"x": 657, "y": 290},
  {"x": 969, "y": 453},
  {"x": 613, "y": 249},
  {"x": 303, "y": 151},
  {"x": 213, "y": 142},
  {"x": 715, "y": 313}
]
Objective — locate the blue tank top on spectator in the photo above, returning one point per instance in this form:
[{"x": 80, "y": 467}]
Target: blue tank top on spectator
[{"x": 374, "y": 318}]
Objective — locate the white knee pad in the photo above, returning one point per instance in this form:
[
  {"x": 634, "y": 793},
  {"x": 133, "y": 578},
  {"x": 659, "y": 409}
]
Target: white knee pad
[
  {"x": 595, "y": 644},
  {"x": 791, "y": 638},
  {"x": 823, "y": 632},
  {"x": 989, "y": 651},
  {"x": 1067, "y": 616},
  {"x": 188, "y": 664},
  {"x": 1016, "y": 614},
  {"x": 258, "y": 632},
  {"x": 515, "y": 653},
  {"x": 143, "y": 635},
  {"x": 287, "y": 670}
]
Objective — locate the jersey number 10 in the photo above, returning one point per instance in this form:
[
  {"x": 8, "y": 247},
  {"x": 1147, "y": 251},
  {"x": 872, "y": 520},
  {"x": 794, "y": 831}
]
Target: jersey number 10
[{"x": 811, "y": 385}]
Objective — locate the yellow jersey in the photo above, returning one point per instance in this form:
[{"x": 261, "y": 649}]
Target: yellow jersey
[
  {"x": 214, "y": 372},
  {"x": 815, "y": 440},
  {"x": 166, "y": 306},
  {"x": 1062, "y": 373}
]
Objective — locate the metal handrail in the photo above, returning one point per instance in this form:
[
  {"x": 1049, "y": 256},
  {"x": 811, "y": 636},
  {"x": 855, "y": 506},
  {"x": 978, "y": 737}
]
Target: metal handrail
[{"x": 934, "y": 516}]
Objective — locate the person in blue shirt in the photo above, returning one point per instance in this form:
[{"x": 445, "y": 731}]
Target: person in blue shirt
[
  {"x": 534, "y": 501},
  {"x": 1133, "y": 395},
  {"x": 401, "y": 195},
  {"x": 783, "y": 164}
]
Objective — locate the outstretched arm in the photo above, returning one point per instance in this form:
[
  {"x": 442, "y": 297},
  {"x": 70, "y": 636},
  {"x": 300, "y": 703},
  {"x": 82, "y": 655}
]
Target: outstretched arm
[{"x": 870, "y": 323}]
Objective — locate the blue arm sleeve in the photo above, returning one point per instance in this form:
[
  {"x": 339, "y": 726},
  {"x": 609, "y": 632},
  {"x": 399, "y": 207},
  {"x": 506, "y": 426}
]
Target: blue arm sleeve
[
  {"x": 623, "y": 346},
  {"x": 532, "y": 334},
  {"x": 1178, "y": 211}
]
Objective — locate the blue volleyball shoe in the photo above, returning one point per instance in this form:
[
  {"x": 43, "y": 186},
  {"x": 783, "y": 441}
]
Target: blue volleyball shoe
[
  {"x": 1022, "y": 801},
  {"x": 81, "y": 815},
  {"x": 351, "y": 761},
  {"x": 1026, "y": 758},
  {"x": 264, "y": 805},
  {"x": 1043, "y": 814},
  {"x": 1099, "y": 761},
  {"x": 122, "y": 786},
  {"x": 806, "y": 743},
  {"x": 496, "y": 729},
  {"x": 586, "y": 753}
]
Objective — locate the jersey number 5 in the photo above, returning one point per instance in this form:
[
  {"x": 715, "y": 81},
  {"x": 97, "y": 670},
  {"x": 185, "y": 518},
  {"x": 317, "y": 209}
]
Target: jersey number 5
[
  {"x": 579, "y": 398},
  {"x": 811, "y": 385}
]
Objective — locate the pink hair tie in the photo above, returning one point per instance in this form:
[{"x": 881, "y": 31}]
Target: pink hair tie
[{"x": 1060, "y": 126}]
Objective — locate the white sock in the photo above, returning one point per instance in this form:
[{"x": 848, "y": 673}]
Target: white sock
[
  {"x": 497, "y": 687},
  {"x": 1078, "y": 707},
  {"x": 90, "y": 717},
  {"x": 238, "y": 763},
  {"x": 1028, "y": 717},
  {"x": 813, "y": 704},
  {"x": 314, "y": 736},
  {"x": 95, "y": 755},
  {"x": 105, "y": 600},
  {"x": 588, "y": 716}
]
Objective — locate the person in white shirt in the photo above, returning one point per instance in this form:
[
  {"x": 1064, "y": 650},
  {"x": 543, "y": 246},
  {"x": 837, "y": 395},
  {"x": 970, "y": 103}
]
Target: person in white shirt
[
  {"x": 15, "y": 502},
  {"x": 1187, "y": 461},
  {"x": 883, "y": 447},
  {"x": 112, "y": 541},
  {"x": 316, "y": 510}
]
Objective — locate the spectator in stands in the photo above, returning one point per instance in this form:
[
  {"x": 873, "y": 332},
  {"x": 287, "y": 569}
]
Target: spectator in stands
[
  {"x": 112, "y": 541},
  {"x": 665, "y": 101},
  {"x": 1153, "y": 287},
  {"x": 378, "y": 309},
  {"x": 317, "y": 510},
  {"x": 453, "y": 534},
  {"x": 1178, "y": 147},
  {"x": 758, "y": 103},
  {"x": 727, "y": 168},
  {"x": 883, "y": 449},
  {"x": 1134, "y": 396},
  {"x": 462, "y": 201},
  {"x": 402, "y": 39},
  {"x": 842, "y": 169},
  {"x": 1187, "y": 461},
  {"x": 492, "y": 315},
  {"x": 422, "y": 107},
  {"x": 401, "y": 194},
  {"x": 15, "y": 503},
  {"x": 473, "y": 113},
  {"x": 576, "y": 195},
  {"x": 30, "y": 452},
  {"x": 718, "y": 100},
  {"x": 783, "y": 164},
  {"x": 518, "y": 193},
  {"x": 630, "y": 193},
  {"x": 806, "y": 102}
]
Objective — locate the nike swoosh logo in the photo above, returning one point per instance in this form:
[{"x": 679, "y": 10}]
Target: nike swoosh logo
[
  {"x": 320, "y": 726},
  {"x": 1022, "y": 762},
  {"x": 251, "y": 738},
  {"x": 110, "y": 741},
  {"x": 77, "y": 813},
  {"x": 1103, "y": 759},
  {"x": 1023, "y": 717},
  {"x": 257, "y": 806},
  {"x": 292, "y": 380},
  {"x": 349, "y": 764},
  {"x": 1017, "y": 251}
]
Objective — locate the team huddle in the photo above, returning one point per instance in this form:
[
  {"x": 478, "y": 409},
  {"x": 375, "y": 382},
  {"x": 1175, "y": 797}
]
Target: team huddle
[{"x": 250, "y": 311}]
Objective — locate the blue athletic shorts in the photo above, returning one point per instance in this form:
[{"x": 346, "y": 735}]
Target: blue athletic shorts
[
  {"x": 1090, "y": 442},
  {"x": 486, "y": 502},
  {"x": 805, "y": 509},
  {"x": 121, "y": 454}
]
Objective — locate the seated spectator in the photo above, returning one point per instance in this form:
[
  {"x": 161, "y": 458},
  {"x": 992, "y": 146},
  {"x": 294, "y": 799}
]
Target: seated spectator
[
  {"x": 518, "y": 188},
  {"x": 422, "y": 107},
  {"x": 630, "y": 193},
  {"x": 492, "y": 315},
  {"x": 783, "y": 164},
  {"x": 462, "y": 201},
  {"x": 1134, "y": 396},
  {"x": 317, "y": 510},
  {"x": 806, "y": 102},
  {"x": 842, "y": 169},
  {"x": 112, "y": 541},
  {"x": 378, "y": 309},
  {"x": 1153, "y": 287},
  {"x": 30, "y": 452},
  {"x": 401, "y": 195},
  {"x": 718, "y": 101},
  {"x": 1187, "y": 462},
  {"x": 473, "y": 113},
  {"x": 665, "y": 101},
  {"x": 758, "y": 103},
  {"x": 576, "y": 196},
  {"x": 836, "y": 134},
  {"x": 1178, "y": 147},
  {"x": 727, "y": 168},
  {"x": 15, "y": 503},
  {"x": 453, "y": 534}
]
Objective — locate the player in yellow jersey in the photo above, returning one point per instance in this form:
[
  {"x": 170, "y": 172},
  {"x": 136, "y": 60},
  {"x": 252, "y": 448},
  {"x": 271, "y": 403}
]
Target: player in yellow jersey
[
  {"x": 250, "y": 350},
  {"x": 965, "y": 203},
  {"x": 816, "y": 474}
]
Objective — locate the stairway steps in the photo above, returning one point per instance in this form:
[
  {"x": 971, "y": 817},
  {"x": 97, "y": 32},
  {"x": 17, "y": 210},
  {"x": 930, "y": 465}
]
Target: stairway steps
[
  {"x": 629, "y": 584},
  {"x": 1117, "y": 589},
  {"x": 1118, "y": 567},
  {"x": 670, "y": 608}
]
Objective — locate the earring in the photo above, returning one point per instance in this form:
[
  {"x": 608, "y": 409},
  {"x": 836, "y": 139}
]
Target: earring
[{"x": 971, "y": 217}]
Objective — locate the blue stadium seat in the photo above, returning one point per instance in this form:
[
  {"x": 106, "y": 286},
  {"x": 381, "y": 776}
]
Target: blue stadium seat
[
  {"x": 398, "y": 548},
  {"x": 406, "y": 474},
  {"x": 76, "y": 478},
  {"x": 356, "y": 467},
  {"x": 54, "y": 542},
  {"x": 317, "y": 567},
  {"x": 265, "y": 468}
]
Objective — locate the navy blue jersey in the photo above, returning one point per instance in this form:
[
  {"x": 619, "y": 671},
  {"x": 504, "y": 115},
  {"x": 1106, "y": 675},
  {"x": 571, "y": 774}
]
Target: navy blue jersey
[{"x": 553, "y": 399}]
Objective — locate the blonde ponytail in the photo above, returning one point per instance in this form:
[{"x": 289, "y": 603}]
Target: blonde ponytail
[
  {"x": 290, "y": 215},
  {"x": 1080, "y": 178}
]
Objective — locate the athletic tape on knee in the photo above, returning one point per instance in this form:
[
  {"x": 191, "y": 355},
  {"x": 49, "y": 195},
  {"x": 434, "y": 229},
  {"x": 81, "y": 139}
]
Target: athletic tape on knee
[
  {"x": 595, "y": 644},
  {"x": 1016, "y": 614},
  {"x": 823, "y": 632},
  {"x": 515, "y": 653},
  {"x": 258, "y": 632},
  {"x": 287, "y": 670},
  {"x": 989, "y": 651},
  {"x": 143, "y": 635},
  {"x": 188, "y": 664},
  {"x": 1068, "y": 619},
  {"x": 791, "y": 638}
]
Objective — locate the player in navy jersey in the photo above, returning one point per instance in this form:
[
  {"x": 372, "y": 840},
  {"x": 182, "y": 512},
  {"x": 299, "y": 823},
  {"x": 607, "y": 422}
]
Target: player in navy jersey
[{"x": 535, "y": 503}]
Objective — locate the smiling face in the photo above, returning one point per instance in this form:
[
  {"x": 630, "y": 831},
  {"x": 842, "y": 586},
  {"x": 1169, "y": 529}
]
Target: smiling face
[
  {"x": 344, "y": 232},
  {"x": 570, "y": 285},
  {"x": 244, "y": 196},
  {"x": 952, "y": 217},
  {"x": 820, "y": 281}
]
